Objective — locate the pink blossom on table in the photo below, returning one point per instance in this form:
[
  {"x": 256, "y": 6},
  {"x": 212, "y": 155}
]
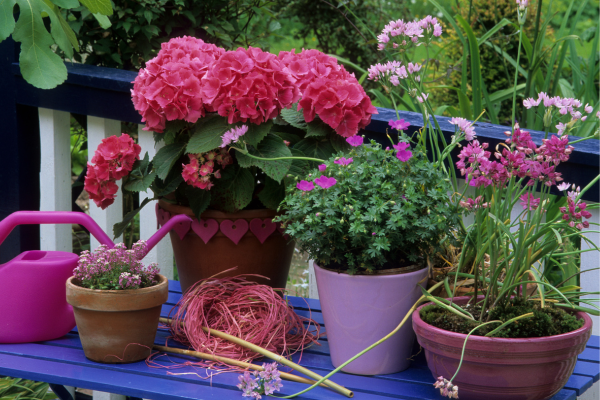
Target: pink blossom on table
[
  {"x": 169, "y": 87},
  {"x": 343, "y": 161},
  {"x": 447, "y": 389},
  {"x": 355, "y": 141},
  {"x": 529, "y": 202},
  {"x": 325, "y": 182},
  {"x": 305, "y": 186},
  {"x": 399, "y": 125},
  {"x": 233, "y": 135},
  {"x": 465, "y": 126},
  {"x": 402, "y": 153},
  {"x": 260, "y": 382},
  {"x": 422, "y": 98}
]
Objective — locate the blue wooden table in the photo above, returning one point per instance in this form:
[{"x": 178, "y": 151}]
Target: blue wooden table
[{"x": 61, "y": 362}]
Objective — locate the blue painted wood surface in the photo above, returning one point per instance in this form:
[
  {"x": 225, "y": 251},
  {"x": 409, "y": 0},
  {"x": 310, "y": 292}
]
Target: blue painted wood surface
[{"x": 62, "y": 362}]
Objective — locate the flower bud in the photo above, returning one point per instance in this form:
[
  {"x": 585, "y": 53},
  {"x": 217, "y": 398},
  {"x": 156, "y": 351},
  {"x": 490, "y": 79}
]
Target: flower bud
[{"x": 548, "y": 118}]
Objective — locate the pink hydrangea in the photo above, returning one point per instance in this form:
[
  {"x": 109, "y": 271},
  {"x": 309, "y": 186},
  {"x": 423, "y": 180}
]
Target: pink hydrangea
[
  {"x": 112, "y": 160},
  {"x": 202, "y": 168},
  {"x": 329, "y": 91},
  {"x": 169, "y": 87},
  {"x": 249, "y": 85}
]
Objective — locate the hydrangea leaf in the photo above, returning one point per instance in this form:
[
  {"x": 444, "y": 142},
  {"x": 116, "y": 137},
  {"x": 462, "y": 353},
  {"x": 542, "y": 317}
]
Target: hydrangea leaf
[
  {"x": 166, "y": 157},
  {"x": 199, "y": 199},
  {"x": 316, "y": 147},
  {"x": 318, "y": 128},
  {"x": 7, "y": 19},
  {"x": 339, "y": 143},
  {"x": 256, "y": 133},
  {"x": 272, "y": 194},
  {"x": 98, "y": 6},
  {"x": 293, "y": 117},
  {"x": 120, "y": 227},
  {"x": 299, "y": 167},
  {"x": 270, "y": 147},
  {"x": 40, "y": 66},
  {"x": 208, "y": 134},
  {"x": 234, "y": 190}
]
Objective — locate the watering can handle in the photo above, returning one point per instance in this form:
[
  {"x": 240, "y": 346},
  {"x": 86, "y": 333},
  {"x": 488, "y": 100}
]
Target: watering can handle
[{"x": 53, "y": 217}]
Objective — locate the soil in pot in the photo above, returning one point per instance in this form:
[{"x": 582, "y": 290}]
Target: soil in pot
[
  {"x": 117, "y": 326},
  {"x": 546, "y": 321}
]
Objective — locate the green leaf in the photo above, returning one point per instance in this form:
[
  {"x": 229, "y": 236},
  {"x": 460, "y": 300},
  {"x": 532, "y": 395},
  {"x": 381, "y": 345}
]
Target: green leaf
[
  {"x": 148, "y": 15},
  {"x": 290, "y": 137},
  {"x": 234, "y": 190},
  {"x": 317, "y": 148},
  {"x": 169, "y": 185},
  {"x": 383, "y": 101},
  {"x": 120, "y": 227},
  {"x": 7, "y": 19},
  {"x": 339, "y": 143},
  {"x": 476, "y": 81},
  {"x": 68, "y": 31},
  {"x": 299, "y": 167},
  {"x": 208, "y": 134},
  {"x": 272, "y": 194},
  {"x": 40, "y": 66},
  {"x": 274, "y": 25},
  {"x": 318, "y": 128},
  {"x": 98, "y": 6},
  {"x": 165, "y": 158},
  {"x": 102, "y": 20},
  {"x": 293, "y": 117},
  {"x": 68, "y": 4},
  {"x": 140, "y": 185},
  {"x": 271, "y": 147},
  {"x": 256, "y": 133},
  {"x": 56, "y": 27},
  {"x": 199, "y": 199}
]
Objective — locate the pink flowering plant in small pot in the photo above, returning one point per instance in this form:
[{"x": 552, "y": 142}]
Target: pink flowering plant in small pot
[
  {"x": 231, "y": 126},
  {"x": 116, "y": 268}
]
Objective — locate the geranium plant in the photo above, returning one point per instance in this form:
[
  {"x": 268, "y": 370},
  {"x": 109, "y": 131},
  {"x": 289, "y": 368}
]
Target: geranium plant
[
  {"x": 116, "y": 268},
  {"x": 234, "y": 124},
  {"x": 371, "y": 209}
]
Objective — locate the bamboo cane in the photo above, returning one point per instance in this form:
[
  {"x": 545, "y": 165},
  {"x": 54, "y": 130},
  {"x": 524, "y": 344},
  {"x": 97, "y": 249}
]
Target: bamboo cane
[
  {"x": 231, "y": 361},
  {"x": 272, "y": 356}
]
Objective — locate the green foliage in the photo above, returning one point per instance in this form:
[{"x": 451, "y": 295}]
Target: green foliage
[
  {"x": 381, "y": 213},
  {"x": 139, "y": 27},
  {"x": 39, "y": 63},
  {"x": 15, "y": 388}
]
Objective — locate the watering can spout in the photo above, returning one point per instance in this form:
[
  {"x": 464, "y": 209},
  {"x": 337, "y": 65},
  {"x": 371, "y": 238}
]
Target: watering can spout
[{"x": 153, "y": 241}]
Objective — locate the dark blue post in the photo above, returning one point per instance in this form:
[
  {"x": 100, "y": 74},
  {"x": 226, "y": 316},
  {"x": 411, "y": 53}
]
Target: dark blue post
[{"x": 19, "y": 157}]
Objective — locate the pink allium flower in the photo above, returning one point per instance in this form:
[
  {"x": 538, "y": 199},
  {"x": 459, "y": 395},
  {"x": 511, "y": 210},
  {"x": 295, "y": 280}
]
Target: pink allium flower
[
  {"x": 402, "y": 154},
  {"x": 328, "y": 91},
  {"x": 112, "y": 160},
  {"x": 588, "y": 109},
  {"x": 399, "y": 125},
  {"x": 464, "y": 126},
  {"x": 447, "y": 389},
  {"x": 355, "y": 141},
  {"x": 325, "y": 182},
  {"x": 343, "y": 161},
  {"x": 563, "y": 186},
  {"x": 233, "y": 135},
  {"x": 169, "y": 87},
  {"x": 522, "y": 4},
  {"x": 422, "y": 98},
  {"x": 305, "y": 186},
  {"x": 529, "y": 202},
  {"x": 322, "y": 167},
  {"x": 437, "y": 30}
]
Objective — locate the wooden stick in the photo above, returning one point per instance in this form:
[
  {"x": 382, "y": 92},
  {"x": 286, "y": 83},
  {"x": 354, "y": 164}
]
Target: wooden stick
[
  {"x": 272, "y": 356},
  {"x": 231, "y": 361}
]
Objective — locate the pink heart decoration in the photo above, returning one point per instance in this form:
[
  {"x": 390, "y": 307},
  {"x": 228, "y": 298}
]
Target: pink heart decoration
[
  {"x": 162, "y": 216},
  {"x": 234, "y": 230},
  {"x": 206, "y": 229},
  {"x": 279, "y": 228},
  {"x": 262, "y": 229},
  {"x": 182, "y": 228}
]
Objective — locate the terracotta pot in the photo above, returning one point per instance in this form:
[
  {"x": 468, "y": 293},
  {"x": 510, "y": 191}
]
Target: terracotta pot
[
  {"x": 117, "y": 326},
  {"x": 361, "y": 309},
  {"x": 197, "y": 260},
  {"x": 499, "y": 368}
]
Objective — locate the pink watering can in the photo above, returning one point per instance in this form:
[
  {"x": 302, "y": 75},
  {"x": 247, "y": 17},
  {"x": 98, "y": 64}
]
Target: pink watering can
[{"x": 33, "y": 301}]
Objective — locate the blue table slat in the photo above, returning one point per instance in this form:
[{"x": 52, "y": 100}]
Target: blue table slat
[{"x": 61, "y": 361}]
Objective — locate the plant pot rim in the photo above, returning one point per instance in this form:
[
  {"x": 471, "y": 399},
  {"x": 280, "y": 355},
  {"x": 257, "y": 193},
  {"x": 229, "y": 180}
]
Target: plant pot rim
[
  {"x": 216, "y": 214},
  {"x": 419, "y": 323},
  {"x": 162, "y": 281},
  {"x": 377, "y": 274}
]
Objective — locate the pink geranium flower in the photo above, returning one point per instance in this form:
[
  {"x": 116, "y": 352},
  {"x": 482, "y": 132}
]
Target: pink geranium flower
[
  {"x": 402, "y": 154},
  {"x": 399, "y": 125},
  {"x": 355, "y": 141},
  {"x": 325, "y": 182},
  {"x": 343, "y": 161},
  {"x": 305, "y": 186},
  {"x": 322, "y": 167}
]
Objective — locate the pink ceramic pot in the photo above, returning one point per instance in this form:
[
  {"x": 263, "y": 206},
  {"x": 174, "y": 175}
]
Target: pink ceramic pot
[
  {"x": 361, "y": 309},
  {"x": 502, "y": 369}
]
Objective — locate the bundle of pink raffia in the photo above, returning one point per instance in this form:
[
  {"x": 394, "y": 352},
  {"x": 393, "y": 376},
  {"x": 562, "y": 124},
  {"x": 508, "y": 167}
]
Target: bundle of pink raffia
[{"x": 247, "y": 310}]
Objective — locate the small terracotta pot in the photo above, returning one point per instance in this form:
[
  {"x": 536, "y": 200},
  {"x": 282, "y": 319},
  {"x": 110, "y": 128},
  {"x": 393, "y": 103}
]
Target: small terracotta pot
[
  {"x": 500, "y": 368},
  {"x": 197, "y": 260},
  {"x": 358, "y": 310},
  {"x": 117, "y": 326}
]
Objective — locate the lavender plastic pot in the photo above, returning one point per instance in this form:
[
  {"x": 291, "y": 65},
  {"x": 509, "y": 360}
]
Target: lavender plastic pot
[
  {"x": 502, "y": 369},
  {"x": 361, "y": 309}
]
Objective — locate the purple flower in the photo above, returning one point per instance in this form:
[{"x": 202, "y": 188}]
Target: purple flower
[
  {"x": 403, "y": 154},
  {"x": 563, "y": 186},
  {"x": 322, "y": 167},
  {"x": 355, "y": 141},
  {"x": 305, "y": 186},
  {"x": 399, "y": 125},
  {"x": 233, "y": 135},
  {"x": 343, "y": 161},
  {"x": 529, "y": 202},
  {"x": 325, "y": 182}
]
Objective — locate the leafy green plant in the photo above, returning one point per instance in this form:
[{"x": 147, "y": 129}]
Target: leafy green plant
[
  {"x": 381, "y": 212},
  {"x": 20, "y": 389},
  {"x": 39, "y": 64}
]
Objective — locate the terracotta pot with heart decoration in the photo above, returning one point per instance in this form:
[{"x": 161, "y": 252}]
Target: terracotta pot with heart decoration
[{"x": 248, "y": 240}]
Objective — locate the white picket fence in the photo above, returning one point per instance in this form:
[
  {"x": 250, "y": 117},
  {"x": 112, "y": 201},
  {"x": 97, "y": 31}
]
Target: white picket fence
[{"x": 55, "y": 195}]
